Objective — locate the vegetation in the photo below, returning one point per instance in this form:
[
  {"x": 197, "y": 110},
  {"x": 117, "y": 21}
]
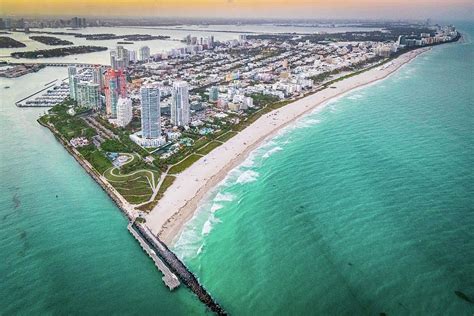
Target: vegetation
[
  {"x": 68, "y": 126},
  {"x": 112, "y": 145},
  {"x": 8, "y": 42},
  {"x": 226, "y": 136},
  {"x": 261, "y": 100},
  {"x": 96, "y": 158},
  {"x": 200, "y": 142},
  {"x": 107, "y": 36},
  {"x": 140, "y": 220},
  {"x": 50, "y": 40},
  {"x": 136, "y": 187},
  {"x": 58, "y": 52},
  {"x": 167, "y": 182},
  {"x": 208, "y": 148},
  {"x": 321, "y": 77},
  {"x": 183, "y": 165},
  {"x": 135, "y": 180}
]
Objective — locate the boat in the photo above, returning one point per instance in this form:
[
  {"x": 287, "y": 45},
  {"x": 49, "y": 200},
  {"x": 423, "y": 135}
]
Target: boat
[{"x": 7, "y": 87}]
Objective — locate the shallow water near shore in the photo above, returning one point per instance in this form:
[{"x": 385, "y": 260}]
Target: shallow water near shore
[{"x": 361, "y": 208}]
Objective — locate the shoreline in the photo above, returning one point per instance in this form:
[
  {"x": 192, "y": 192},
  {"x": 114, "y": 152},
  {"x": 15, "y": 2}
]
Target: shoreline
[{"x": 181, "y": 201}]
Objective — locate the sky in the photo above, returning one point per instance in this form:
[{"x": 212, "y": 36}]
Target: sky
[{"x": 371, "y": 9}]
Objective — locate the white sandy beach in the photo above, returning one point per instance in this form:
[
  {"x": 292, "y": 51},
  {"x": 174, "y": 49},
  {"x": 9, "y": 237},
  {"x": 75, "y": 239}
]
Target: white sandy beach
[{"x": 182, "y": 199}]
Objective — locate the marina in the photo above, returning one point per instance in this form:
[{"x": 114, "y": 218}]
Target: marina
[{"x": 54, "y": 93}]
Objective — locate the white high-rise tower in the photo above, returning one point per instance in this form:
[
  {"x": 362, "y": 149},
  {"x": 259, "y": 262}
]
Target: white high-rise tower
[
  {"x": 151, "y": 115},
  {"x": 180, "y": 104}
]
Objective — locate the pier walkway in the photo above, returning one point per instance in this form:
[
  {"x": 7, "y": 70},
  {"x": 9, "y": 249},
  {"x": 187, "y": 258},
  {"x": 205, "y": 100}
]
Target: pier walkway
[
  {"x": 170, "y": 279},
  {"x": 178, "y": 267}
]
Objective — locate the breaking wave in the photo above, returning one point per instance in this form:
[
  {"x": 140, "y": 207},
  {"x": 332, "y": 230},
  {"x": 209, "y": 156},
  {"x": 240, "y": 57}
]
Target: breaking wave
[
  {"x": 247, "y": 176},
  {"x": 227, "y": 197},
  {"x": 272, "y": 151}
]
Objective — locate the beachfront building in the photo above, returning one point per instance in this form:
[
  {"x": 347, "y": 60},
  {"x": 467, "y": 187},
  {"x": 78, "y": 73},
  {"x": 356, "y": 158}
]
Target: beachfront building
[
  {"x": 88, "y": 95},
  {"x": 151, "y": 115},
  {"x": 384, "y": 51},
  {"x": 150, "y": 135},
  {"x": 115, "y": 87},
  {"x": 124, "y": 112},
  {"x": 180, "y": 104},
  {"x": 71, "y": 72},
  {"x": 144, "y": 53}
]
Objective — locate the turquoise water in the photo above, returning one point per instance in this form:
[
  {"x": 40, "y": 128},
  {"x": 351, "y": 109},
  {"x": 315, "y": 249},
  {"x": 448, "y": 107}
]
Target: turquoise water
[
  {"x": 366, "y": 206},
  {"x": 361, "y": 208}
]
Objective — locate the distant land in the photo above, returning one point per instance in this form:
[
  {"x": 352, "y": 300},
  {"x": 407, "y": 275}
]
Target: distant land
[
  {"x": 58, "y": 52},
  {"x": 8, "y": 42},
  {"x": 50, "y": 40}
]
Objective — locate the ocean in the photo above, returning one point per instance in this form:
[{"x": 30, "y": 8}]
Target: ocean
[{"x": 363, "y": 207}]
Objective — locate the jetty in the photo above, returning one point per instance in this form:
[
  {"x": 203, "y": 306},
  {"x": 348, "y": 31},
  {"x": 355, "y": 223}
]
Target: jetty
[
  {"x": 176, "y": 266},
  {"x": 170, "y": 279}
]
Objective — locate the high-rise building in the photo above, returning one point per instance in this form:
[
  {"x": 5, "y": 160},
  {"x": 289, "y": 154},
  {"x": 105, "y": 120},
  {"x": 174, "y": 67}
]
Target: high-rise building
[
  {"x": 98, "y": 77},
  {"x": 71, "y": 72},
  {"x": 151, "y": 114},
  {"x": 119, "y": 58},
  {"x": 124, "y": 112},
  {"x": 402, "y": 40},
  {"x": 115, "y": 87},
  {"x": 383, "y": 51},
  {"x": 20, "y": 23},
  {"x": 75, "y": 81},
  {"x": 113, "y": 59},
  {"x": 123, "y": 56},
  {"x": 144, "y": 53},
  {"x": 75, "y": 22},
  {"x": 8, "y": 23},
  {"x": 88, "y": 95},
  {"x": 180, "y": 104},
  {"x": 213, "y": 94},
  {"x": 132, "y": 56}
]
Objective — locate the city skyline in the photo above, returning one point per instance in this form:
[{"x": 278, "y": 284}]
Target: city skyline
[{"x": 367, "y": 9}]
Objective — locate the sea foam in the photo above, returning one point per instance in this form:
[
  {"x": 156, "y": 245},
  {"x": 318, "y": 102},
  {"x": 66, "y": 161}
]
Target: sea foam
[
  {"x": 224, "y": 197},
  {"x": 206, "y": 229},
  {"x": 247, "y": 176},
  {"x": 272, "y": 151}
]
